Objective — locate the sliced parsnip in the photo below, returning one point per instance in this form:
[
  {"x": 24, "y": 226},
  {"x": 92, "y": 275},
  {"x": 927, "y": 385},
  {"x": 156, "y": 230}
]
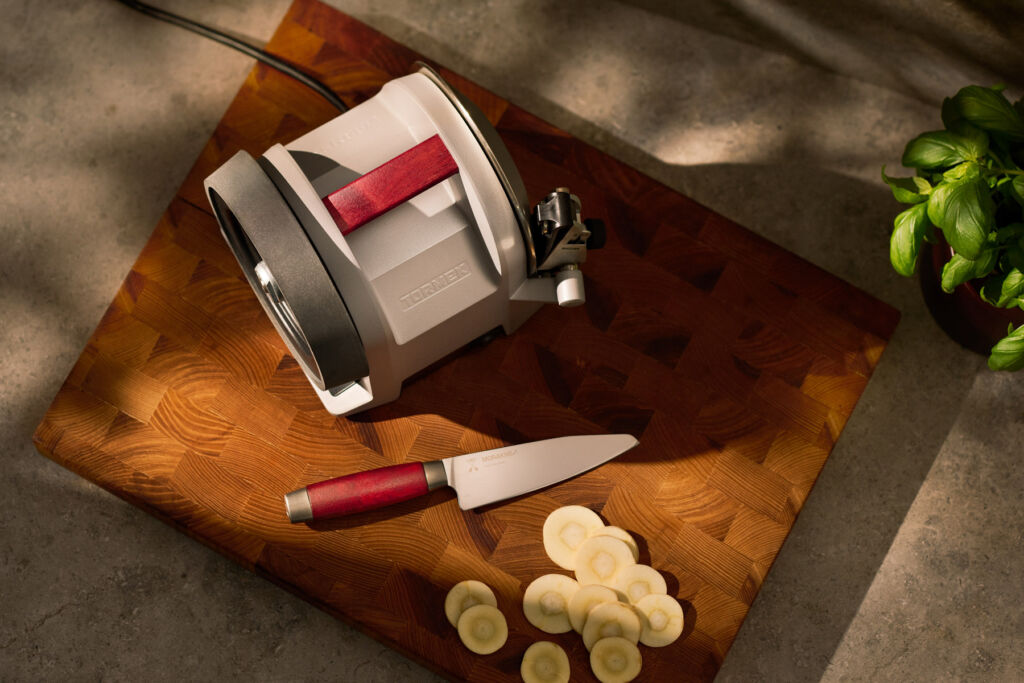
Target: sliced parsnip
[
  {"x": 545, "y": 662},
  {"x": 611, "y": 619},
  {"x": 623, "y": 535},
  {"x": 586, "y": 598},
  {"x": 662, "y": 619},
  {"x": 600, "y": 558},
  {"x": 483, "y": 629},
  {"x": 565, "y": 529},
  {"x": 615, "y": 660},
  {"x": 546, "y": 602},
  {"x": 639, "y": 580},
  {"x": 464, "y": 595}
]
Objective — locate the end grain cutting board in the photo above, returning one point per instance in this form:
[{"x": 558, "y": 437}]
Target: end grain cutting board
[{"x": 737, "y": 377}]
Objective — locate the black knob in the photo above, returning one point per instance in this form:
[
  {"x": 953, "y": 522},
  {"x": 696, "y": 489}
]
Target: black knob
[{"x": 598, "y": 233}]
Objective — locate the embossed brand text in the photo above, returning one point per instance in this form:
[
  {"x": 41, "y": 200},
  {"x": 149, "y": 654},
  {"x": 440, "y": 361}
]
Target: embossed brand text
[{"x": 434, "y": 285}]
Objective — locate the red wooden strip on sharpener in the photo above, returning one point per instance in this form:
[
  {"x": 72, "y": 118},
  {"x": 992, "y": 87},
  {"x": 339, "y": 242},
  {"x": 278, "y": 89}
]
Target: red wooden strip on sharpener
[{"x": 390, "y": 184}]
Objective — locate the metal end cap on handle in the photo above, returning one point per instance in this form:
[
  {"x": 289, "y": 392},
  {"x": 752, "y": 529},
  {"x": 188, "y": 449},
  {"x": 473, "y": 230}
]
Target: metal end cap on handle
[{"x": 298, "y": 507}]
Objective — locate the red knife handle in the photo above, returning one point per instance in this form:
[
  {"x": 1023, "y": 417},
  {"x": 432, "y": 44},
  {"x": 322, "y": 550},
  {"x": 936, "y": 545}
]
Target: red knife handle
[
  {"x": 365, "y": 490},
  {"x": 390, "y": 184}
]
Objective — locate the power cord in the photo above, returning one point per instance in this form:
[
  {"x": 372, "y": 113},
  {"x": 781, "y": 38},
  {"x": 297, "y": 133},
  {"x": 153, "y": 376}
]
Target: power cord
[{"x": 240, "y": 45}]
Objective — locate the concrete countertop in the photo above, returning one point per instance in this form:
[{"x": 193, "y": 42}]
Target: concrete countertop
[{"x": 903, "y": 565}]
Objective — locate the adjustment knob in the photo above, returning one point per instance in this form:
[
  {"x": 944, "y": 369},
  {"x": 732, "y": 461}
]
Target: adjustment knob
[{"x": 569, "y": 286}]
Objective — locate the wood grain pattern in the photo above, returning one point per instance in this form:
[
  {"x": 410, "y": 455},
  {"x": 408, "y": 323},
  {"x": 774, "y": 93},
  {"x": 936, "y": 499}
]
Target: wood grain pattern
[{"x": 737, "y": 378}]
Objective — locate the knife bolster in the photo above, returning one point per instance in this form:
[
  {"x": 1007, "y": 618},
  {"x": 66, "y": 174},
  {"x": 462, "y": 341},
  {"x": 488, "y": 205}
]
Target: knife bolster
[{"x": 436, "y": 477}]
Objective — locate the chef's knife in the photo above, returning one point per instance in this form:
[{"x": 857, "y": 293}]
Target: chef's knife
[{"x": 478, "y": 478}]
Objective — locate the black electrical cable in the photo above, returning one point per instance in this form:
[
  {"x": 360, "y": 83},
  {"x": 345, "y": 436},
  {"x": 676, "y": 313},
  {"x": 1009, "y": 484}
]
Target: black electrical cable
[{"x": 240, "y": 45}]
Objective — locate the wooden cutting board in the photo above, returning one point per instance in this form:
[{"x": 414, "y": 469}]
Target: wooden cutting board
[{"x": 735, "y": 362}]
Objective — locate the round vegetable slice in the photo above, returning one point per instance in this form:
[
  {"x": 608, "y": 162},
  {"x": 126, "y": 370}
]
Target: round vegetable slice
[
  {"x": 586, "y": 598},
  {"x": 662, "y": 619},
  {"x": 600, "y": 558},
  {"x": 611, "y": 619},
  {"x": 546, "y": 602},
  {"x": 615, "y": 660},
  {"x": 464, "y": 595},
  {"x": 545, "y": 662},
  {"x": 483, "y": 629},
  {"x": 639, "y": 580},
  {"x": 565, "y": 529},
  {"x": 623, "y": 535}
]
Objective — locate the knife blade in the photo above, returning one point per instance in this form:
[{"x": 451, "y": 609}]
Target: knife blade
[{"x": 478, "y": 478}]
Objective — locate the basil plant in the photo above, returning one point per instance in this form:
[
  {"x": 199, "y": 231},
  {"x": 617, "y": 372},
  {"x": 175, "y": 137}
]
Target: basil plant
[{"x": 970, "y": 185}]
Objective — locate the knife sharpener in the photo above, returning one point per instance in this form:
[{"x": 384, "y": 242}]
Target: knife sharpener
[{"x": 393, "y": 235}]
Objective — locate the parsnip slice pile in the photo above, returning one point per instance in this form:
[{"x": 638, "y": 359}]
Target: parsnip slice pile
[
  {"x": 614, "y": 603},
  {"x": 546, "y": 602},
  {"x": 617, "y": 602},
  {"x": 545, "y": 662}
]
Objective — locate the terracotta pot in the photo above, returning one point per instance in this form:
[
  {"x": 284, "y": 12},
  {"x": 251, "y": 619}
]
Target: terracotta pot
[{"x": 963, "y": 315}]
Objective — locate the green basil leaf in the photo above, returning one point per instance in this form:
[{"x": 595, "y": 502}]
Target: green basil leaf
[
  {"x": 1007, "y": 233},
  {"x": 1012, "y": 288},
  {"x": 1003, "y": 289},
  {"x": 909, "y": 230},
  {"x": 990, "y": 288},
  {"x": 973, "y": 140},
  {"x": 1017, "y": 189},
  {"x": 965, "y": 212},
  {"x": 990, "y": 110},
  {"x": 958, "y": 172},
  {"x": 1015, "y": 254},
  {"x": 959, "y": 270},
  {"x": 934, "y": 149},
  {"x": 1008, "y": 353},
  {"x": 956, "y": 272},
  {"x": 986, "y": 263},
  {"x": 904, "y": 189},
  {"x": 950, "y": 113},
  {"x": 922, "y": 185}
]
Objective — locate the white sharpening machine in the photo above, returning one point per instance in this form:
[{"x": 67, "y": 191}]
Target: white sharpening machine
[{"x": 393, "y": 235}]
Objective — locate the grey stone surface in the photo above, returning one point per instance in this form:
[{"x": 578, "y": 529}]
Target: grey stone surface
[{"x": 904, "y": 564}]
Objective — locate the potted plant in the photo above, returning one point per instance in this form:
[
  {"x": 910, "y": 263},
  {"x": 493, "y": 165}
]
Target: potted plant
[{"x": 970, "y": 185}]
